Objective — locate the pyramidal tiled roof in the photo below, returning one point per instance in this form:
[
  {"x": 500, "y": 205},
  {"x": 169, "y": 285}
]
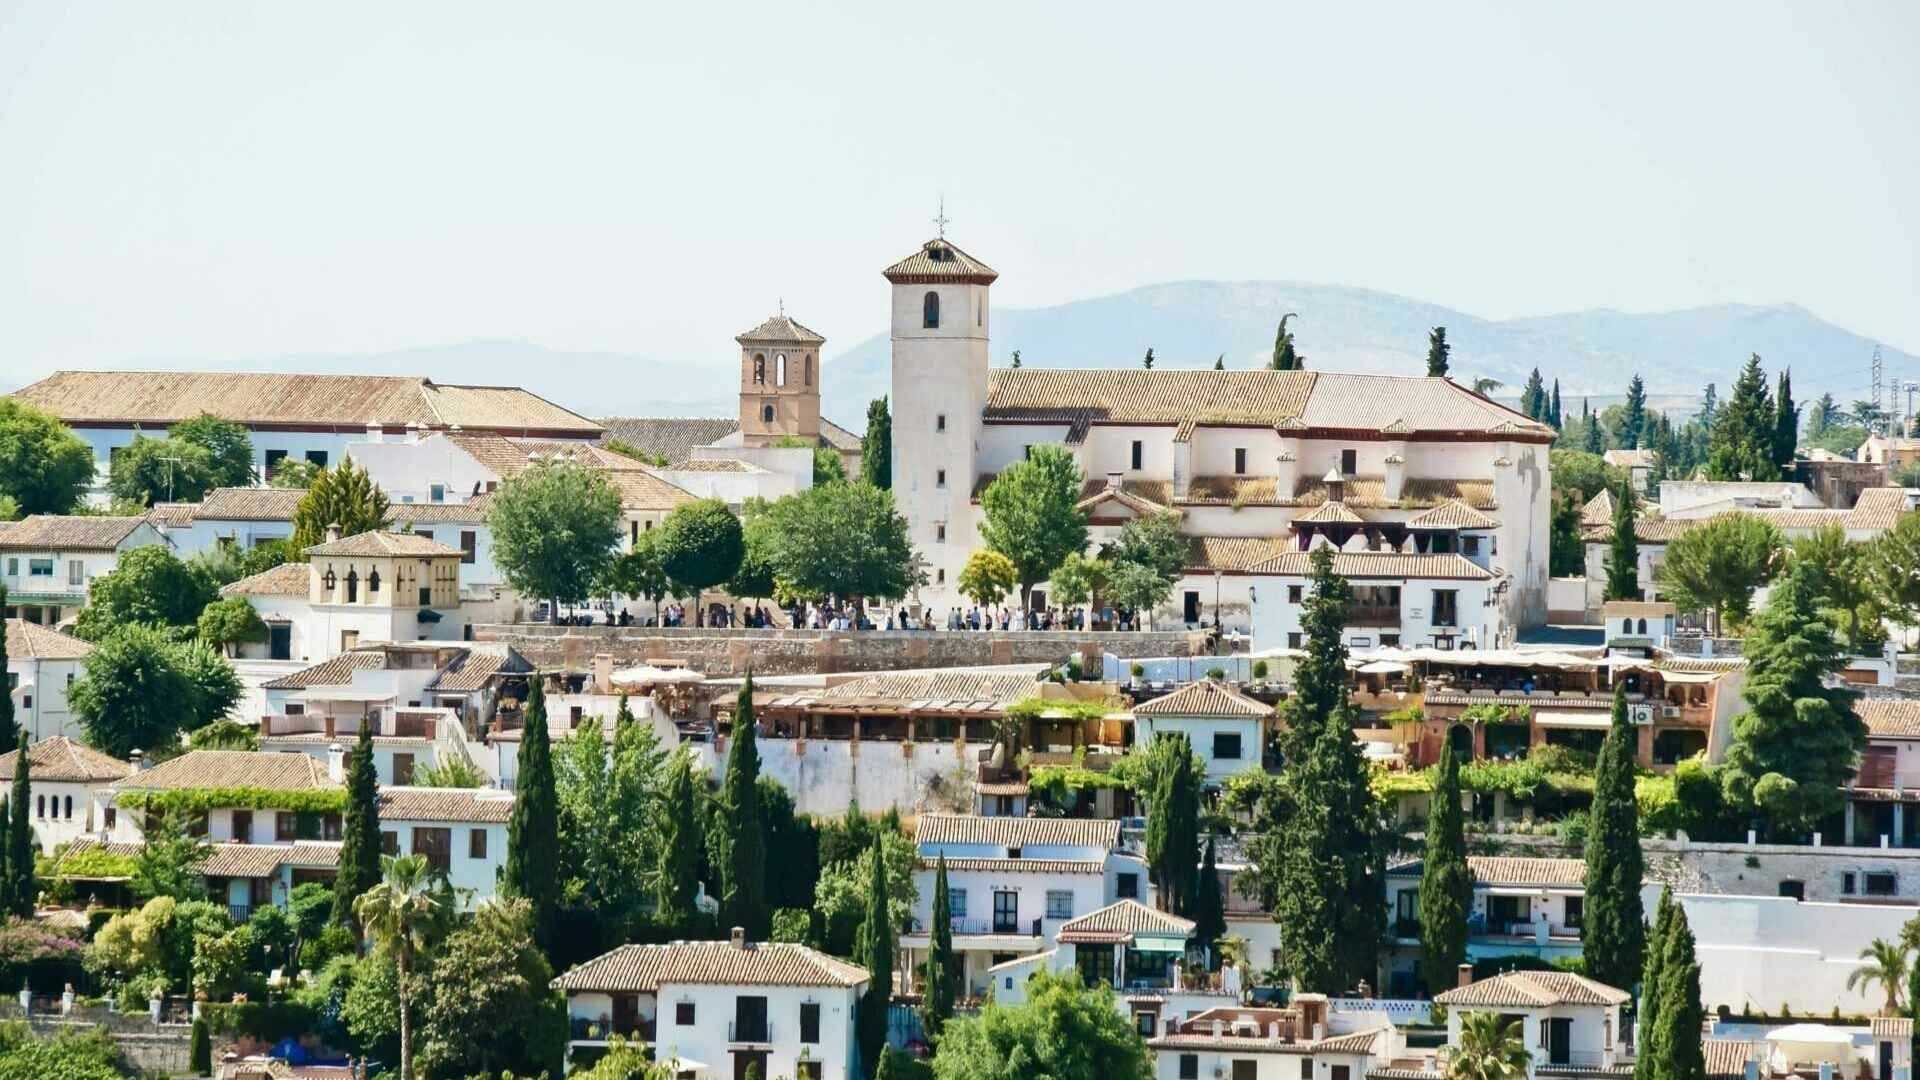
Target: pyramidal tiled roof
[
  {"x": 31, "y": 641},
  {"x": 1534, "y": 989},
  {"x": 780, "y": 330},
  {"x": 940, "y": 260},
  {"x": 1334, "y": 512},
  {"x": 1121, "y": 921},
  {"x": 1452, "y": 514},
  {"x": 287, "y": 579},
  {"x": 382, "y": 544},
  {"x": 646, "y": 968},
  {"x": 1204, "y": 698}
]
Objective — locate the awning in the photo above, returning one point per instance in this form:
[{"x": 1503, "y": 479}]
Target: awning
[
  {"x": 1596, "y": 720},
  {"x": 1382, "y": 667},
  {"x": 1689, "y": 676},
  {"x": 1148, "y": 943}
]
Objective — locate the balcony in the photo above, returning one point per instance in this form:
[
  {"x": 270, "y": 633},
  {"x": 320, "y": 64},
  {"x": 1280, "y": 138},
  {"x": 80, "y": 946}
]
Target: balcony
[
  {"x": 1377, "y": 615},
  {"x": 598, "y": 1029},
  {"x": 751, "y": 1033}
]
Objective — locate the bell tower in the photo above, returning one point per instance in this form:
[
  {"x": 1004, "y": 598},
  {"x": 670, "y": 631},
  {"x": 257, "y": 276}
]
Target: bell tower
[{"x": 779, "y": 382}]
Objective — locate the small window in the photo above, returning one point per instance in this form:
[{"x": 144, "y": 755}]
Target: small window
[
  {"x": 930, "y": 311},
  {"x": 274, "y": 458},
  {"x": 766, "y": 414},
  {"x": 476, "y": 843},
  {"x": 1576, "y": 912},
  {"x": 1469, "y": 545},
  {"x": 111, "y": 817},
  {"x": 1139, "y": 453},
  {"x": 1226, "y": 746},
  {"x": 1126, "y": 886},
  {"x": 1145, "y": 1023},
  {"x": 426, "y": 596},
  {"x": 389, "y": 842},
  {"x": 940, "y": 478},
  {"x": 1306, "y": 1068},
  {"x": 1796, "y": 890},
  {"x": 436, "y": 493},
  {"x": 1882, "y": 884},
  {"x": 353, "y": 585},
  {"x": 317, "y": 457},
  {"x": 759, "y": 369},
  {"x": 69, "y": 814},
  {"x": 39, "y": 567},
  {"x": 940, "y": 533},
  {"x": 809, "y": 1021},
  {"x": 1389, "y": 641},
  {"x": 40, "y": 807},
  {"x": 1189, "y": 1067},
  {"x": 779, "y": 369},
  {"x": 683, "y": 1013},
  {"x": 373, "y": 582},
  {"x": 403, "y": 769},
  {"x": 940, "y": 576},
  {"x": 1293, "y": 639},
  {"x": 957, "y": 903},
  {"x": 1059, "y": 904},
  {"x": 1295, "y": 593},
  {"x": 1349, "y": 462},
  {"x": 1849, "y": 883},
  {"x": 1239, "y": 461},
  {"x": 808, "y": 365},
  {"x": 469, "y": 546},
  {"x": 940, "y": 422}
]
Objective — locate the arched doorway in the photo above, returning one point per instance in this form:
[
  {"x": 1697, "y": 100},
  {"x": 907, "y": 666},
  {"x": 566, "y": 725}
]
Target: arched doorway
[{"x": 1460, "y": 737}]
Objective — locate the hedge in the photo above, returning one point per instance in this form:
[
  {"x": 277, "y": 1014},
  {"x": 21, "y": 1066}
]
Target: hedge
[{"x": 202, "y": 800}]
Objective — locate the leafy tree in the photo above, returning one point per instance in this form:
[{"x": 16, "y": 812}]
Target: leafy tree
[
  {"x": 638, "y": 572},
  {"x": 141, "y": 690},
  {"x": 148, "y": 585},
  {"x": 745, "y": 897},
  {"x": 624, "y": 1060},
  {"x": 1623, "y": 557},
  {"x": 1680, "y": 1014},
  {"x": 1634, "y": 428},
  {"x": 943, "y": 971},
  {"x": 397, "y": 913},
  {"x": 555, "y": 526},
  {"x": 1064, "y": 1031},
  {"x": 755, "y": 577},
  {"x": 490, "y": 1012},
  {"x": 348, "y": 498},
  {"x": 876, "y": 954},
  {"x": 1649, "y": 1062},
  {"x": 844, "y": 540},
  {"x": 148, "y": 471},
  {"x": 450, "y": 772},
  {"x": 360, "y": 831},
  {"x": 1893, "y": 566},
  {"x": 828, "y": 468},
  {"x": 876, "y": 448},
  {"x": 1786, "y": 424},
  {"x": 1742, "y": 446},
  {"x": 700, "y": 544},
  {"x": 1484, "y": 386},
  {"x": 44, "y": 467},
  {"x": 841, "y": 895},
  {"x": 1437, "y": 351},
  {"x": 1284, "y": 356},
  {"x": 987, "y": 577},
  {"x": 1838, "y": 571},
  {"x": 675, "y": 881},
  {"x": 297, "y": 474},
  {"x": 228, "y": 623},
  {"x": 533, "y": 840},
  {"x": 88, "y": 1055},
  {"x": 224, "y": 564},
  {"x": 1615, "y": 921},
  {"x": 1716, "y": 566},
  {"x": 1173, "y": 822},
  {"x": 228, "y": 445},
  {"x": 1031, "y": 514},
  {"x": 1209, "y": 909},
  {"x": 22, "y": 893},
  {"x": 1533, "y": 396},
  {"x": 1446, "y": 882},
  {"x": 1154, "y": 541},
  {"x": 1824, "y": 414},
  {"x": 1566, "y": 547},
  {"x": 1795, "y": 747},
  {"x": 1582, "y": 474},
  {"x": 169, "y": 859},
  {"x": 1078, "y": 579},
  {"x": 1492, "y": 1047}
]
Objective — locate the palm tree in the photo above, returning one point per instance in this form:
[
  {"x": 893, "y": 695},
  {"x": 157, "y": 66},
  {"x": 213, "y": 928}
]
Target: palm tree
[
  {"x": 1490, "y": 1049},
  {"x": 1886, "y": 963},
  {"x": 396, "y": 913}
]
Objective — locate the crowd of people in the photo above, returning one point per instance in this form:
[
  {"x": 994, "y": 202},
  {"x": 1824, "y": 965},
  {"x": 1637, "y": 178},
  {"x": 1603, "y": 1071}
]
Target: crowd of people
[{"x": 842, "y": 616}]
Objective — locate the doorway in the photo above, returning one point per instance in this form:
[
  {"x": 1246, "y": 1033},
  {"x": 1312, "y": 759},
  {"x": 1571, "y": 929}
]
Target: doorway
[
  {"x": 1559, "y": 1041},
  {"x": 1190, "y": 608}
]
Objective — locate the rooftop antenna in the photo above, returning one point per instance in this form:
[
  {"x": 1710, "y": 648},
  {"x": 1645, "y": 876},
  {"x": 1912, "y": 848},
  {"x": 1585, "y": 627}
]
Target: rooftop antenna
[
  {"x": 940, "y": 220},
  {"x": 1879, "y": 370}
]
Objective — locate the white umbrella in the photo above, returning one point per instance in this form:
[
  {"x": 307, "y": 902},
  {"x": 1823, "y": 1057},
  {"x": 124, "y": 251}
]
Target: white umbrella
[
  {"x": 640, "y": 676},
  {"x": 681, "y": 675},
  {"x": 1806, "y": 1044}
]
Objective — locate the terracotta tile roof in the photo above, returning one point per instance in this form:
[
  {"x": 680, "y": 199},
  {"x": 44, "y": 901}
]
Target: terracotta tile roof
[
  {"x": 940, "y": 260},
  {"x": 1139, "y": 505},
  {"x": 1358, "y": 1042},
  {"x": 1889, "y": 718},
  {"x": 1023, "y": 866},
  {"x": 643, "y": 490},
  {"x": 1452, "y": 514},
  {"x": 1354, "y": 402},
  {"x": 1204, "y": 698},
  {"x": 476, "y": 805},
  {"x": 476, "y": 667},
  {"x": 250, "y": 504},
  {"x": 1532, "y": 989},
  {"x": 382, "y": 545},
  {"x": 1121, "y": 921},
  {"x": 1378, "y": 564},
  {"x": 671, "y": 437},
  {"x": 63, "y": 532},
  {"x": 335, "y": 671},
  {"x": 1330, "y": 512},
  {"x": 1016, "y": 831},
  {"x": 160, "y": 398},
  {"x": 647, "y": 968},
  {"x": 1598, "y": 510},
  {"x": 290, "y": 771},
  {"x": 508, "y": 455},
  {"x": 1513, "y": 870},
  {"x": 1878, "y": 508},
  {"x": 171, "y": 515},
  {"x": 231, "y": 860},
  {"x": 431, "y": 513},
  {"x": 1727, "y": 1058},
  {"x": 287, "y": 579},
  {"x": 1230, "y": 553},
  {"x": 717, "y": 465},
  {"x": 60, "y": 758},
  {"x": 1005, "y": 687},
  {"x": 1370, "y": 492},
  {"x": 31, "y": 641},
  {"x": 780, "y": 330}
]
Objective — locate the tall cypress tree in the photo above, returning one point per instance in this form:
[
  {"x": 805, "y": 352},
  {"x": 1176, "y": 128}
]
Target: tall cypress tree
[
  {"x": 876, "y": 450},
  {"x": 1786, "y": 423},
  {"x": 1595, "y": 439},
  {"x": 1437, "y": 352},
  {"x": 1741, "y": 446},
  {"x": 1623, "y": 560},
  {"x": 674, "y": 887},
  {"x": 22, "y": 891},
  {"x": 942, "y": 969},
  {"x": 1553, "y": 410},
  {"x": 1681, "y": 1013},
  {"x": 1634, "y": 424},
  {"x": 1533, "y": 396},
  {"x": 8, "y": 739},
  {"x": 1173, "y": 822},
  {"x": 1615, "y": 930},
  {"x": 360, "y": 832},
  {"x": 1209, "y": 909},
  {"x": 746, "y": 880},
  {"x": 1284, "y": 356},
  {"x": 533, "y": 831},
  {"x": 1446, "y": 883},
  {"x": 1648, "y": 1061},
  {"x": 876, "y": 955}
]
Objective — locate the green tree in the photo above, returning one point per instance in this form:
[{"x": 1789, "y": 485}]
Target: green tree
[
  {"x": 1064, "y": 1031},
  {"x": 1680, "y": 1014},
  {"x": 1893, "y": 569},
  {"x": 1553, "y": 409},
  {"x": 344, "y": 497},
  {"x": 943, "y": 971},
  {"x": 1078, "y": 579},
  {"x": 1566, "y": 546},
  {"x": 88, "y": 1055},
  {"x": 555, "y": 526},
  {"x": 745, "y": 896},
  {"x": 1593, "y": 439},
  {"x": 876, "y": 447},
  {"x": 1136, "y": 587},
  {"x": 1615, "y": 930},
  {"x": 169, "y": 859},
  {"x": 533, "y": 829},
  {"x": 295, "y": 474},
  {"x": 700, "y": 544},
  {"x": 987, "y": 577},
  {"x": 1716, "y": 566},
  {"x": 1031, "y": 514},
  {"x": 1649, "y": 1061},
  {"x": 22, "y": 892},
  {"x": 1623, "y": 556},
  {"x": 360, "y": 831},
  {"x": 1446, "y": 882},
  {"x": 638, "y": 572},
  {"x": 490, "y": 1012},
  {"x": 676, "y": 879},
  {"x": 1533, "y": 396},
  {"x": 1173, "y": 822},
  {"x": 1492, "y": 1047},
  {"x": 397, "y": 914},
  {"x": 147, "y": 585},
  {"x": 841, "y": 894},
  {"x": 876, "y": 955},
  {"x": 44, "y": 467},
  {"x": 1887, "y": 963},
  {"x": 755, "y": 577},
  {"x": 1824, "y": 414},
  {"x": 148, "y": 471},
  {"x": 228, "y": 623},
  {"x": 200, "y": 1050},
  {"x": 1582, "y": 474},
  {"x": 1795, "y": 746},
  {"x": 9, "y": 731},
  {"x": 1154, "y": 541},
  {"x": 228, "y": 445},
  {"x": 225, "y": 735},
  {"x": 1742, "y": 445},
  {"x": 1786, "y": 424},
  {"x": 141, "y": 690},
  {"x": 1284, "y": 356},
  {"x": 1149, "y": 358},
  {"x": 1840, "y": 573},
  {"x": 843, "y": 540},
  {"x": 1634, "y": 426},
  {"x": 1437, "y": 351},
  {"x": 1209, "y": 908}
]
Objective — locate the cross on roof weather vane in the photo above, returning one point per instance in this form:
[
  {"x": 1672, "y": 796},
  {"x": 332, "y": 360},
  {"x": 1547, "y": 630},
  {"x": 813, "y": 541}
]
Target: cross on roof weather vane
[{"x": 940, "y": 220}]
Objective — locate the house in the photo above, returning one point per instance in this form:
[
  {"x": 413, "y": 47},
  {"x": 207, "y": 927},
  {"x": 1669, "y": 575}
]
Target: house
[
  {"x": 1567, "y": 1021},
  {"x": 714, "y": 1009},
  {"x": 51, "y": 560},
  {"x": 374, "y": 587},
  {"x": 1880, "y": 1049},
  {"x": 1240, "y": 454},
  {"x": 1442, "y": 600},
  {"x": 1886, "y": 781},
  {"x": 1637, "y": 464},
  {"x": 289, "y": 796},
  {"x": 1235, "y": 1042},
  {"x": 1225, "y": 727},
  {"x": 462, "y": 832},
  {"x": 1897, "y": 452},
  {"x": 243, "y": 876},
  {"x": 1013, "y": 882},
  {"x": 1521, "y": 907},
  {"x": 68, "y": 785},
  {"x": 1136, "y": 950},
  {"x": 42, "y": 663}
]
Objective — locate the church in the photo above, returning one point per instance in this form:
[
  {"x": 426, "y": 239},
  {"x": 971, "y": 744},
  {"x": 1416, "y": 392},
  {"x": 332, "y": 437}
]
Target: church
[{"x": 1435, "y": 497}]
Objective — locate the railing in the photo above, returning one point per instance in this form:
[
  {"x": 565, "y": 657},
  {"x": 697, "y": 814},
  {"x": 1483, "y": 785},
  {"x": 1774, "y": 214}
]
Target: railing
[
  {"x": 1398, "y": 1010},
  {"x": 590, "y": 1029},
  {"x": 1373, "y": 615},
  {"x": 755, "y": 1033}
]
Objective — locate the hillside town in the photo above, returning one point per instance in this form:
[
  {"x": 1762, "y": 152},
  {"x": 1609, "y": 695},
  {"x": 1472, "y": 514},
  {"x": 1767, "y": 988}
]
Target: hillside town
[{"x": 1154, "y": 722}]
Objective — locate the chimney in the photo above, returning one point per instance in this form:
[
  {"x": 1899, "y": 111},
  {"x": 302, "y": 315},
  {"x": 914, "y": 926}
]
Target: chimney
[
  {"x": 602, "y": 673},
  {"x": 1464, "y": 976},
  {"x": 333, "y": 531},
  {"x": 137, "y": 759},
  {"x": 1113, "y": 481},
  {"x": 739, "y": 937},
  {"x": 337, "y": 763},
  {"x": 376, "y": 433},
  {"x": 1336, "y": 484}
]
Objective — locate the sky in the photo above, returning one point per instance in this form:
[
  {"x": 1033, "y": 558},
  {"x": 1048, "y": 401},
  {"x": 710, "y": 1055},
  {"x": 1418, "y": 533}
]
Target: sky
[{"x": 195, "y": 183}]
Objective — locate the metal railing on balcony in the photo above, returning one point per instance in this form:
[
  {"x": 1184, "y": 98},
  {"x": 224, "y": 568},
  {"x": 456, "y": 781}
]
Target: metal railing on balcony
[{"x": 752, "y": 1032}]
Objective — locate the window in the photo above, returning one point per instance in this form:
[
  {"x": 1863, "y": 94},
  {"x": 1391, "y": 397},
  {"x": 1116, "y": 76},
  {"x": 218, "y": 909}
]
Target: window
[
  {"x": 13, "y": 567},
  {"x": 766, "y": 413},
  {"x": 112, "y": 818},
  {"x": 809, "y": 368},
  {"x": 1389, "y": 641},
  {"x": 403, "y": 768},
  {"x": 1126, "y": 886},
  {"x": 243, "y": 826},
  {"x": 940, "y": 478},
  {"x": 1339, "y": 1072},
  {"x": 940, "y": 576},
  {"x": 683, "y": 1013},
  {"x": 1006, "y": 912},
  {"x": 1849, "y": 883},
  {"x": 1145, "y": 1023},
  {"x": 1882, "y": 884},
  {"x": 389, "y": 842},
  {"x": 1295, "y": 593},
  {"x": 1226, "y": 746},
  {"x": 436, "y": 844},
  {"x": 76, "y": 572},
  {"x": 317, "y": 457},
  {"x": 809, "y": 1070},
  {"x": 930, "y": 311},
  {"x": 286, "y": 827},
  {"x": 1293, "y": 639},
  {"x": 750, "y": 1020},
  {"x": 469, "y": 546},
  {"x": 328, "y": 580},
  {"x": 957, "y": 903},
  {"x": 40, "y": 807},
  {"x": 1189, "y": 1067},
  {"x": 940, "y": 422},
  {"x": 69, "y": 814},
  {"x": 1245, "y": 1069},
  {"x": 1059, "y": 904},
  {"x": 1446, "y": 607},
  {"x": 759, "y": 369},
  {"x": 1349, "y": 462},
  {"x": 39, "y": 567},
  {"x": 809, "y": 1021},
  {"x": 940, "y": 533},
  {"x": 1139, "y": 453},
  {"x": 353, "y": 585},
  {"x": 373, "y": 582},
  {"x": 436, "y": 492},
  {"x": 1239, "y": 461},
  {"x": 426, "y": 596},
  {"x": 1306, "y": 1068},
  {"x": 274, "y": 458},
  {"x": 1576, "y": 912},
  {"x": 779, "y": 369}
]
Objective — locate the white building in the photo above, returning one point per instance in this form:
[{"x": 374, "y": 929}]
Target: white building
[
  {"x": 462, "y": 832},
  {"x": 715, "y": 1008},
  {"x": 1236, "y": 1042},
  {"x": 1225, "y": 727},
  {"x": 373, "y": 587},
  {"x": 50, "y": 561},
  {"x": 1445, "y": 601},
  {"x": 1237, "y": 454},
  {"x": 1132, "y": 948},
  {"x": 67, "y": 783},
  {"x": 42, "y": 665},
  {"x": 1566, "y": 1020}
]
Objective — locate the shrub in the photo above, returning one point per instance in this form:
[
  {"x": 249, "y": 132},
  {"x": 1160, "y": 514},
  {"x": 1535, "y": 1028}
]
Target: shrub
[
  {"x": 1260, "y": 670},
  {"x": 1217, "y": 674}
]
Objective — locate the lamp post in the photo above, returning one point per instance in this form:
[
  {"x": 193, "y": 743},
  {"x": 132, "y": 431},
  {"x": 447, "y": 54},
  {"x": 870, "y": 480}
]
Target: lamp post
[{"x": 1217, "y": 576}]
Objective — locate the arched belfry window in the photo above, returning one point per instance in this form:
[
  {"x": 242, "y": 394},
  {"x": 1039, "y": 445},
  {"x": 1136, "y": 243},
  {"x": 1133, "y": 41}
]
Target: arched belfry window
[
  {"x": 930, "y": 311},
  {"x": 759, "y": 369},
  {"x": 353, "y": 586},
  {"x": 780, "y": 369},
  {"x": 809, "y": 369},
  {"x": 766, "y": 414}
]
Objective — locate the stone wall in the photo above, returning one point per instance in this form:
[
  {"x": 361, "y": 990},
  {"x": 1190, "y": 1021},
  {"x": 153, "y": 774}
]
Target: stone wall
[{"x": 805, "y": 652}]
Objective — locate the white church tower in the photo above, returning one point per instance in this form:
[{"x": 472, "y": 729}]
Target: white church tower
[{"x": 939, "y": 392}]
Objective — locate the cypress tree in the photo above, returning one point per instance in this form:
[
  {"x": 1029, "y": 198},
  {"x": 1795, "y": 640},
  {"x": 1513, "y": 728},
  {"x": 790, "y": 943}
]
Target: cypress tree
[
  {"x": 1634, "y": 425},
  {"x": 746, "y": 888},
  {"x": 1437, "y": 352},
  {"x": 876, "y": 955},
  {"x": 6, "y": 824},
  {"x": 1680, "y": 1049},
  {"x": 200, "y": 1050},
  {"x": 1553, "y": 410},
  {"x": 1533, "y": 396},
  {"x": 1615, "y": 919},
  {"x": 1741, "y": 446},
  {"x": 941, "y": 966},
  {"x": 1284, "y": 358},
  {"x": 533, "y": 831},
  {"x": 1209, "y": 909},
  {"x": 1648, "y": 1063},
  {"x": 1596, "y": 440},
  {"x": 360, "y": 832},
  {"x": 876, "y": 450},
  {"x": 8, "y": 739},
  {"x": 889, "y": 1067},
  {"x": 1786, "y": 423},
  {"x": 674, "y": 887},
  {"x": 22, "y": 892},
  {"x": 1173, "y": 840},
  {"x": 1623, "y": 561},
  {"x": 1446, "y": 883}
]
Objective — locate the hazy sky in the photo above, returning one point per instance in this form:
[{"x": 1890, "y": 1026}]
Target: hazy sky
[{"x": 193, "y": 181}]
